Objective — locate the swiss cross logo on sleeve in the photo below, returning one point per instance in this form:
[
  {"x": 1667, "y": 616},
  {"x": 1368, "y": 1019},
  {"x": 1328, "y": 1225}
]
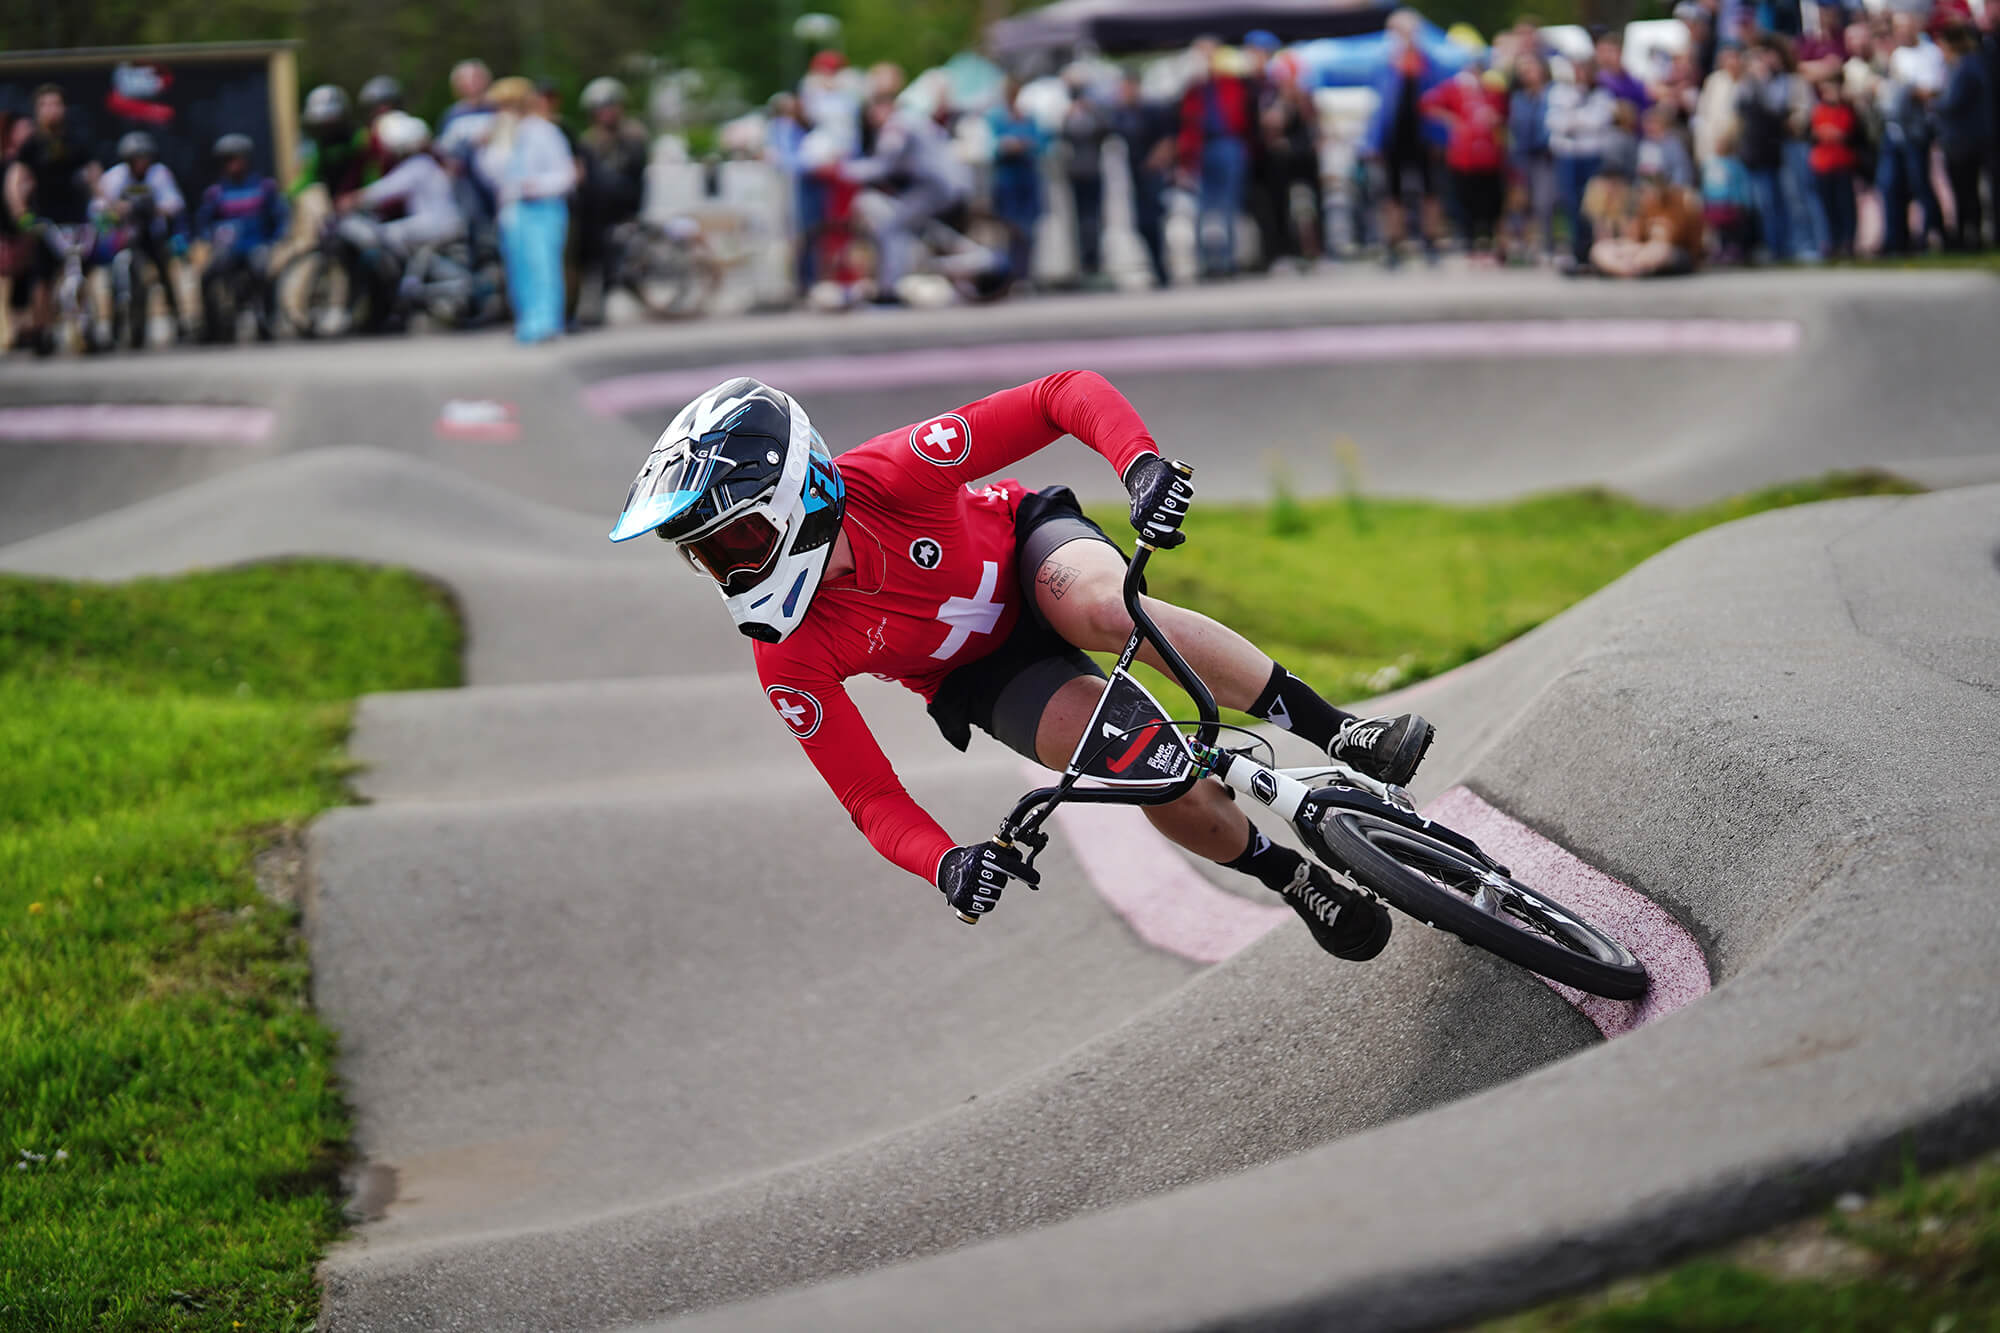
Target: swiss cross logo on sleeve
[
  {"x": 800, "y": 710},
  {"x": 942, "y": 441}
]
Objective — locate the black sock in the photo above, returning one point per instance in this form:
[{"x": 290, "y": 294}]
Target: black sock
[
  {"x": 1292, "y": 704},
  {"x": 1266, "y": 862}
]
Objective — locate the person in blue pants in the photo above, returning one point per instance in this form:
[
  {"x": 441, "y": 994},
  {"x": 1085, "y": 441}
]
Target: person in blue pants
[{"x": 529, "y": 163}]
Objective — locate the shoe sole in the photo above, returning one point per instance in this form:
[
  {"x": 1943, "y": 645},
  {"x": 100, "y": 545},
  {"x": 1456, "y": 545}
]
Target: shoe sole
[{"x": 1411, "y": 754}]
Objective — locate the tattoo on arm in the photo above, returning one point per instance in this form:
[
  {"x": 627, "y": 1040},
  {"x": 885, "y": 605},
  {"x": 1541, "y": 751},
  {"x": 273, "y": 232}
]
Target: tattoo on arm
[{"x": 1056, "y": 578}]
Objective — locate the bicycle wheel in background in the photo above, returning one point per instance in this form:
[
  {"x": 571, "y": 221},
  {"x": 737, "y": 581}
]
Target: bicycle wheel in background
[
  {"x": 316, "y": 296},
  {"x": 1452, "y": 890},
  {"x": 668, "y": 275},
  {"x": 131, "y": 299}
]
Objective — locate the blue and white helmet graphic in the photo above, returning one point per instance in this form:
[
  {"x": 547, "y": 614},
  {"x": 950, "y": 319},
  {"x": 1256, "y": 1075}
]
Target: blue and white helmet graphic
[{"x": 744, "y": 485}]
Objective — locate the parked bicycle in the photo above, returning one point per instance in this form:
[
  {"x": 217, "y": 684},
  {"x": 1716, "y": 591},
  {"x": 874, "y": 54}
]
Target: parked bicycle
[
  {"x": 338, "y": 286},
  {"x": 77, "y": 328},
  {"x": 1368, "y": 834}
]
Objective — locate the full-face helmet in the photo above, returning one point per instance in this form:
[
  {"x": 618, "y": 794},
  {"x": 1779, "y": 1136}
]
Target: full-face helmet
[{"x": 746, "y": 488}]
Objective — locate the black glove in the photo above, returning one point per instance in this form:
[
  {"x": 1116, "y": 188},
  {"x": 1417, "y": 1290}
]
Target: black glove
[
  {"x": 971, "y": 877},
  {"x": 1160, "y": 499}
]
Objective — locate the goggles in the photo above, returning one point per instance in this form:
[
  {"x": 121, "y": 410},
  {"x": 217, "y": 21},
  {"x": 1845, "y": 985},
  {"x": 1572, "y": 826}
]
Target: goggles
[{"x": 735, "y": 554}]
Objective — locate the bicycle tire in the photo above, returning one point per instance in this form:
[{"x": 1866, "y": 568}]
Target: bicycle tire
[
  {"x": 312, "y": 284},
  {"x": 1437, "y": 883},
  {"x": 668, "y": 277}
]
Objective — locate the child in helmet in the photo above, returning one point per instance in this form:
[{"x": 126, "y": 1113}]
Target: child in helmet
[
  {"x": 241, "y": 217},
  {"x": 417, "y": 189},
  {"x": 139, "y": 205}
]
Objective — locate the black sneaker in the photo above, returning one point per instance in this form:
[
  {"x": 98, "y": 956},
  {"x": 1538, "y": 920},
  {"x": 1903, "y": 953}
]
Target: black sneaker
[
  {"x": 1387, "y": 749},
  {"x": 1346, "y": 924}
]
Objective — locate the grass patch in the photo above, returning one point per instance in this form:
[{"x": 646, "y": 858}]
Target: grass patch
[
  {"x": 1359, "y": 595},
  {"x": 1923, "y": 1257},
  {"x": 170, "y": 1134}
]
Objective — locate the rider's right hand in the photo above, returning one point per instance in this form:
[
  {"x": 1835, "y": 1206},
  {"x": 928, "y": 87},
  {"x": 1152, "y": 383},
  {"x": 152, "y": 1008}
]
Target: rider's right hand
[{"x": 971, "y": 877}]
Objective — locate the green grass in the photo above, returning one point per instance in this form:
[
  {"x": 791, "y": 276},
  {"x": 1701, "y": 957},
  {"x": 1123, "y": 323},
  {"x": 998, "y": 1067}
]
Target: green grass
[
  {"x": 1923, "y": 1257},
  {"x": 1359, "y": 595},
  {"x": 170, "y": 1133}
]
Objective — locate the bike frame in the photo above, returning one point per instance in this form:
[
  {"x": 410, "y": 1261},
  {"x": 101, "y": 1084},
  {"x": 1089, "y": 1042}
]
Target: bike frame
[{"x": 1284, "y": 790}]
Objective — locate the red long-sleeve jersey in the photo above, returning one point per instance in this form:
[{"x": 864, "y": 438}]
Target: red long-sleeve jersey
[{"x": 933, "y": 586}]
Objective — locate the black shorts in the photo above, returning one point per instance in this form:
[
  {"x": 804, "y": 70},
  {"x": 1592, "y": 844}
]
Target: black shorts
[{"x": 1005, "y": 692}]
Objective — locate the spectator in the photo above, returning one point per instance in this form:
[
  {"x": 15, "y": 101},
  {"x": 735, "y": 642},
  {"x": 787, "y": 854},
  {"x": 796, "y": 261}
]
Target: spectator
[
  {"x": 1532, "y": 165},
  {"x": 1018, "y": 142},
  {"x": 1662, "y": 235},
  {"x": 461, "y": 132},
  {"x": 1401, "y": 140},
  {"x": 1474, "y": 116},
  {"x": 334, "y": 151},
  {"x": 913, "y": 157},
  {"x": 1086, "y": 124},
  {"x": 49, "y": 182},
  {"x": 1715, "y": 115},
  {"x": 1660, "y": 128},
  {"x": 1215, "y": 127},
  {"x": 1612, "y": 75},
  {"x": 529, "y": 163},
  {"x": 1989, "y": 51},
  {"x": 1580, "y": 128},
  {"x": 469, "y": 81},
  {"x": 241, "y": 217},
  {"x": 1291, "y": 160},
  {"x": 139, "y": 206},
  {"x": 377, "y": 98},
  {"x": 1763, "y": 106},
  {"x": 832, "y": 118},
  {"x": 1835, "y": 128},
  {"x": 1728, "y": 206},
  {"x": 1965, "y": 133},
  {"x": 1148, "y": 131},
  {"x": 614, "y": 150},
  {"x": 1263, "y": 194},
  {"x": 1915, "y": 77}
]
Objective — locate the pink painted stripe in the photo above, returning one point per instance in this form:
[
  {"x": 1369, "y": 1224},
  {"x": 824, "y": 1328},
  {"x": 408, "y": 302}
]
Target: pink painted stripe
[
  {"x": 1479, "y": 340},
  {"x": 1673, "y": 959},
  {"x": 1150, "y": 884},
  {"x": 143, "y": 423},
  {"x": 1170, "y": 906}
]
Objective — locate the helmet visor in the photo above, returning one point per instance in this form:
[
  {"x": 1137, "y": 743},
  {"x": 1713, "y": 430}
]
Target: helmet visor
[{"x": 737, "y": 552}]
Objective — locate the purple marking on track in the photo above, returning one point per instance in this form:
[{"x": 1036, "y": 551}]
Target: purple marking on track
[
  {"x": 1474, "y": 340},
  {"x": 1169, "y": 905},
  {"x": 137, "y": 423},
  {"x": 1676, "y": 964}
]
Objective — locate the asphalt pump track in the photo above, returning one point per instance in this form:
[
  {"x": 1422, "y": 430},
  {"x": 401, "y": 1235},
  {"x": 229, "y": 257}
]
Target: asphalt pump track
[{"x": 637, "y": 1029}]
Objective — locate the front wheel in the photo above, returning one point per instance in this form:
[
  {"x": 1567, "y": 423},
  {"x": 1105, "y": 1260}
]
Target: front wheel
[{"x": 1453, "y": 890}]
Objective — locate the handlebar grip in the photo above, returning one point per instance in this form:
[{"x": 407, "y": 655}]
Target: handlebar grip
[
  {"x": 1185, "y": 471},
  {"x": 968, "y": 918}
]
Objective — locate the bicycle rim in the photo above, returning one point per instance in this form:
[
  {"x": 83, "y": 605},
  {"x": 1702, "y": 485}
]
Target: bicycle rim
[{"x": 1447, "y": 888}]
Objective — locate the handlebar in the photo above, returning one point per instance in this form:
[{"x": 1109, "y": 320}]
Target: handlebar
[{"x": 1023, "y": 823}]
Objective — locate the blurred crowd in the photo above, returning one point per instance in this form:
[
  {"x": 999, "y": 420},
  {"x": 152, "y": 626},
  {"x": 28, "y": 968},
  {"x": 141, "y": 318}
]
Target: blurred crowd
[
  {"x": 499, "y": 169},
  {"x": 1739, "y": 131},
  {"x": 1780, "y": 130}
]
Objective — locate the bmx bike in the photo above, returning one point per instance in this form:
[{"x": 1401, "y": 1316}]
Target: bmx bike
[
  {"x": 75, "y": 328},
  {"x": 1368, "y": 834}
]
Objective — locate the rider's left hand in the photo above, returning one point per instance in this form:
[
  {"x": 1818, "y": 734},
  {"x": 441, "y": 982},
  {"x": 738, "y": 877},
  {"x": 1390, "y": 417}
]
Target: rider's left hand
[{"x": 1160, "y": 498}]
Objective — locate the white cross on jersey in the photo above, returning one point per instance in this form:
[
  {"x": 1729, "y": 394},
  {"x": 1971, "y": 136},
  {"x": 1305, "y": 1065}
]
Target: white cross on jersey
[
  {"x": 968, "y": 616},
  {"x": 940, "y": 436},
  {"x": 793, "y": 713}
]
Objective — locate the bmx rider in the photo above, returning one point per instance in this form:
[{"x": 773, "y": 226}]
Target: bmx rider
[{"x": 897, "y": 560}]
